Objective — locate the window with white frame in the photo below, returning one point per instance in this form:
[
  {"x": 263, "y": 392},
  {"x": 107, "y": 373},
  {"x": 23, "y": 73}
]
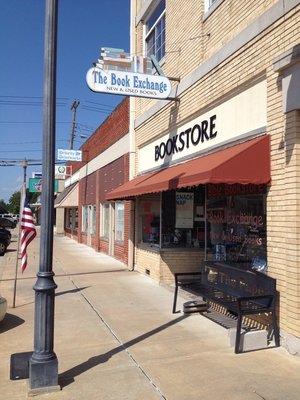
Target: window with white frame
[
  {"x": 119, "y": 221},
  {"x": 208, "y": 4},
  {"x": 85, "y": 214},
  {"x": 155, "y": 32},
  {"x": 93, "y": 210},
  {"x": 104, "y": 221}
]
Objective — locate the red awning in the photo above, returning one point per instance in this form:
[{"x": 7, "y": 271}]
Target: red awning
[{"x": 244, "y": 163}]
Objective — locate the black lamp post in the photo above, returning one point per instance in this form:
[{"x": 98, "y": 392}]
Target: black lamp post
[{"x": 43, "y": 365}]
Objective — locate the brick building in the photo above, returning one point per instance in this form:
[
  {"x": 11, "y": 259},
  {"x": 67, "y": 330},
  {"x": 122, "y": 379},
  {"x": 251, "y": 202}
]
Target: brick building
[
  {"x": 89, "y": 218},
  {"x": 216, "y": 169}
]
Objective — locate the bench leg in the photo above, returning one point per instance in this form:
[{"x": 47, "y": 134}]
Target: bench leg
[
  {"x": 238, "y": 334},
  {"x": 175, "y": 299},
  {"x": 276, "y": 329}
]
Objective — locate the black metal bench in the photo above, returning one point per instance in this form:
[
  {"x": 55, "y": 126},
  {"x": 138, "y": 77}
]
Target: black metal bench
[{"x": 241, "y": 292}]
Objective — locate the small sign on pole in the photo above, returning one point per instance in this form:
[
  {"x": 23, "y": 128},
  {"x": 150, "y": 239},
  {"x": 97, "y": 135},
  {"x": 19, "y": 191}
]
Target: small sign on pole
[
  {"x": 69, "y": 155},
  {"x": 35, "y": 185},
  {"x": 62, "y": 170}
]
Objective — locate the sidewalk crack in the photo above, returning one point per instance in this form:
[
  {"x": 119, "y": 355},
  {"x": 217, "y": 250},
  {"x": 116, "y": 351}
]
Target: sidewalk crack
[{"x": 136, "y": 363}]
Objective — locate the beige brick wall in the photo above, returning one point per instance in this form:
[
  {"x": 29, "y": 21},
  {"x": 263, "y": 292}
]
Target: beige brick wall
[
  {"x": 163, "y": 265},
  {"x": 190, "y": 41},
  {"x": 179, "y": 261},
  {"x": 148, "y": 260},
  {"x": 252, "y": 61}
]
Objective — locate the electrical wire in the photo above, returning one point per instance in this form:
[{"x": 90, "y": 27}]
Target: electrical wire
[
  {"x": 33, "y": 142},
  {"x": 99, "y": 104},
  {"x": 32, "y": 97},
  {"x": 101, "y": 111},
  {"x": 20, "y": 151}
]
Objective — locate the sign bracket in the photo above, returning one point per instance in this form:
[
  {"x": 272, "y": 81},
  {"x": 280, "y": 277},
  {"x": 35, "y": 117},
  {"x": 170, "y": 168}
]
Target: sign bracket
[{"x": 160, "y": 72}]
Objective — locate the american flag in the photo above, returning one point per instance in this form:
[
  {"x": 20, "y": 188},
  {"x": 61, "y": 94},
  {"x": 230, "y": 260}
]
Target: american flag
[{"x": 28, "y": 232}]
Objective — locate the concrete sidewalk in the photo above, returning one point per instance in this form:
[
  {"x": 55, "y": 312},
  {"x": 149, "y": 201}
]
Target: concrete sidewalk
[{"x": 115, "y": 338}]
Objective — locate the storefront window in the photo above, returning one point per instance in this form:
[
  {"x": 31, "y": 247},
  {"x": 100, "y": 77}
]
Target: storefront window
[
  {"x": 71, "y": 218},
  {"x": 84, "y": 219},
  {"x": 236, "y": 224},
  {"x": 105, "y": 221},
  {"x": 93, "y": 211},
  {"x": 183, "y": 219},
  {"x": 119, "y": 222},
  {"x": 67, "y": 218},
  {"x": 149, "y": 221}
]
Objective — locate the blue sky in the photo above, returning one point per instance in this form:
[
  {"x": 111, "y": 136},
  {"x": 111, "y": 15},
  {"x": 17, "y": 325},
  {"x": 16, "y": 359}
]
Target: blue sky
[{"x": 84, "y": 26}]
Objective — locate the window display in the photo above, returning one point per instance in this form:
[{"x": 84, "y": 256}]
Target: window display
[
  {"x": 149, "y": 221},
  {"x": 229, "y": 221},
  {"x": 236, "y": 228},
  {"x": 183, "y": 222}
]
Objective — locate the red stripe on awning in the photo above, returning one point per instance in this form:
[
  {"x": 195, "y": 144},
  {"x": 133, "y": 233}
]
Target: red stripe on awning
[{"x": 244, "y": 163}]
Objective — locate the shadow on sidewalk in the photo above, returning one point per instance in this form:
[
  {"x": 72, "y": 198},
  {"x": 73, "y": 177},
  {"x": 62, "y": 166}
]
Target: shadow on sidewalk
[
  {"x": 71, "y": 291},
  {"x": 75, "y": 290},
  {"x": 70, "y": 274},
  {"x": 67, "y": 377},
  {"x": 10, "y": 321}
]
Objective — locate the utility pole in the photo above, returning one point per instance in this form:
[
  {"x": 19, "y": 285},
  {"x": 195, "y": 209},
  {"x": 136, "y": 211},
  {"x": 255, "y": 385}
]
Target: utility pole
[
  {"x": 22, "y": 199},
  {"x": 43, "y": 364},
  {"x": 73, "y": 128}
]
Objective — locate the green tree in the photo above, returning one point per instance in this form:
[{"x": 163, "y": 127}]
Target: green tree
[
  {"x": 3, "y": 207},
  {"x": 14, "y": 201}
]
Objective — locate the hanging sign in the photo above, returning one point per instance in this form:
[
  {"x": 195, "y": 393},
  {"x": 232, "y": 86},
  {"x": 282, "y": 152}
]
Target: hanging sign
[
  {"x": 128, "y": 83},
  {"x": 69, "y": 155},
  {"x": 184, "y": 210}
]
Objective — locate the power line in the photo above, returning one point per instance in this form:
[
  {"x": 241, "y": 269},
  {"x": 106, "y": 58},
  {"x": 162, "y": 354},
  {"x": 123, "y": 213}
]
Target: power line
[
  {"x": 27, "y": 103},
  {"x": 33, "y": 142},
  {"x": 19, "y": 151},
  {"x": 99, "y": 104},
  {"x": 29, "y": 122},
  {"x": 32, "y": 97},
  {"x": 99, "y": 110}
]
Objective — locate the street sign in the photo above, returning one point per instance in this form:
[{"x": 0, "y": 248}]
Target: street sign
[
  {"x": 62, "y": 170},
  {"x": 35, "y": 185},
  {"x": 128, "y": 83},
  {"x": 69, "y": 155},
  {"x": 36, "y": 175}
]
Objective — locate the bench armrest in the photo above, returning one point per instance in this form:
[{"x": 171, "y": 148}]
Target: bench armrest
[{"x": 177, "y": 276}]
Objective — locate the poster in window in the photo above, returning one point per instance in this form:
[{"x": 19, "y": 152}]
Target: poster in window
[{"x": 184, "y": 210}]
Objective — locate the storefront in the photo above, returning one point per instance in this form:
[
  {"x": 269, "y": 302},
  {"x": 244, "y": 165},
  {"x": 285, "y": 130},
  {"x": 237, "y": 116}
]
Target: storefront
[
  {"x": 237, "y": 81},
  {"x": 212, "y": 207},
  {"x": 91, "y": 219},
  {"x": 66, "y": 204}
]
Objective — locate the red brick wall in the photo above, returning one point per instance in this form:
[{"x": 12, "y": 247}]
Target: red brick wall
[
  {"x": 112, "y": 175},
  {"x": 103, "y": 246},
  {"x": 73, "y": 234},
  {"x": 94, "y": 187},
  {"x": 87, "y": 189},
  {"x": 109, "y": 132}
]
